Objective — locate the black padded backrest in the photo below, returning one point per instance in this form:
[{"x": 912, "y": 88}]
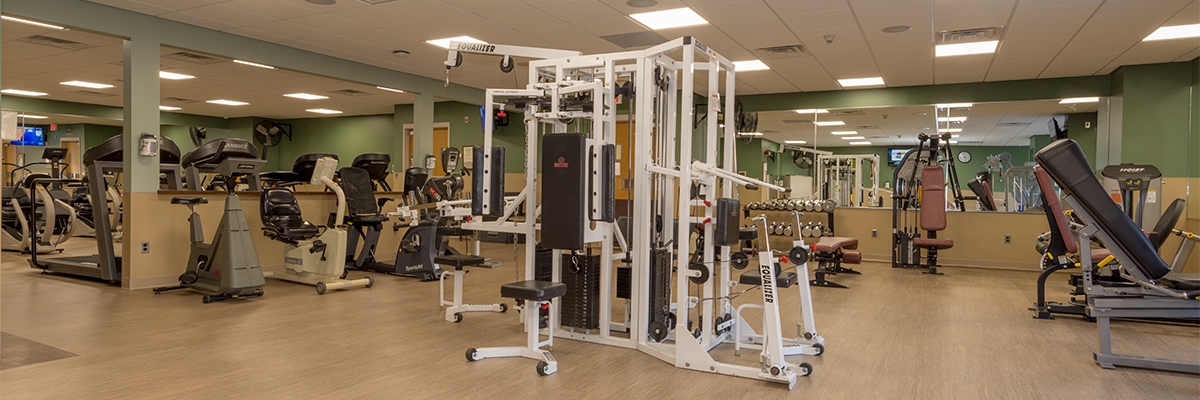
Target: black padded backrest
[
  {"x": 983, "y": 192},
  {"x": 218, "y": 150},
  {"x": 360, "y": 198},
  {"x": 277, "y": 202},
  {"x": 306, "y": 164},
  {"x": 415, "y": 178},
  {"x": 1169, "y": 218},
  {"x": 375, "y": 163},
  {"x": 1066, "y": 164},
  {"x": 14, "y": 192}
]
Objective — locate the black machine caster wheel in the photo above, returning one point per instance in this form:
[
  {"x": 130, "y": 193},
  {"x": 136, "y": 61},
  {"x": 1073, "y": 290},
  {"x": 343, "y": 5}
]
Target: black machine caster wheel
[
  {"x": 370, "y": 281},
  {"x": 458, "y": 317},
  {"x": 427, "y": 277},
  {"x": 503, "y": 307},
  {"x": 471, "y": 354},
  {"x": 541, "y": 368},
  {"x": 658, "y": 331},
  {"x": 345, "y": 273},
  {"x": 775, "y": 371},
  {"x": 820, "y": 348},
  {"x": 321, "y": 288},
  {"x": 208, "y": 299},
  {"x": 807, "y": 369}
]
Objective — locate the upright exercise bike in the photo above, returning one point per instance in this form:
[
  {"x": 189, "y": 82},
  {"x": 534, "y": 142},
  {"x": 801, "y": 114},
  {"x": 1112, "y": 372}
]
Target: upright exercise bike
[{"x": 228, "y": 265}]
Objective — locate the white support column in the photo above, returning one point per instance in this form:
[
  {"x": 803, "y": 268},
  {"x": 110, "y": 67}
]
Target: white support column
[
  {"x": 141, "y": 88},
  {"x": 683, "y": 209}
]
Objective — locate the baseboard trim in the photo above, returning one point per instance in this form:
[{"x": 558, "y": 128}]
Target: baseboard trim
[{"x": 958, "y": 262}]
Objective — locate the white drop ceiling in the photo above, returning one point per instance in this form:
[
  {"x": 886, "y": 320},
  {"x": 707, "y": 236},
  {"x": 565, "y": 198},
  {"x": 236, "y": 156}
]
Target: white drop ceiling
[{"x": 987, "y": 124}]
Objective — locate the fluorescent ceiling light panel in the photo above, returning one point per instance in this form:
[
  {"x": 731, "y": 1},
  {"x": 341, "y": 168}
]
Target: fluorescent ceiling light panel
[
  {"x": 853, "y": 137},
  {"x": 950, "y": 130},
  {"x": 323, "y": 111},
  {"x": 953, "y": 142},
  {"x": 445, "y": 43},
  {"x": 389, "y": 89},
  {"x": 667, "y": 19},
  {"x": 955, "y": 105},
  {"x": 89, "y": 85},
  {"x": 305, "y": 96},
  {"x": 169, "y": 108},
  {"x": 812, "y": 111},
  {"x": 173, "y": 76},
  {"x": 1175, "y": 32},
  {"x": 953, "y": 136},
  {"x": 844, "y": 132},
  {"x": 952, "y": 119},
  {"x": 829, "y": 123},
  {"x": 228, "y": 102},
  {"x": 859, "y": 143},
  {"x": 752, "y": 65},
  {"x": 876, "y": 81},
  {"x": 749, "y": 134},
  {"x": 20, "y": 92},
  {"x": 794, "y": 141},
  {"x": 25, "y": 21},
  {"x": 1074, "y": 100},
  {"x": 253, "y": 64},
  {"x": 34, "y": 116},
  {"x": 962, "y": 49}
]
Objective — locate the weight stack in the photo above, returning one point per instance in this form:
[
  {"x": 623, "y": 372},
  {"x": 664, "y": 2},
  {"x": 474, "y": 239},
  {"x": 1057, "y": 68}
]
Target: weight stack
[
  {"x": 542, "y": 261},
  {"x": 624, "y": 282},
  {"x": 660, "y": 285},
  {"x": 581, "y": 274}
]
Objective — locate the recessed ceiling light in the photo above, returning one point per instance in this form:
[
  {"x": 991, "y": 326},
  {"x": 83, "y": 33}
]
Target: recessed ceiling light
[
  {"x": 752, "y": 65},
  {"x": 641, "y": 3},
  {"x": 859, "y": 143},
  {"x": 952, "y": 119},
  {"x": 169, "y": 108},
  {"x": 34, "y": 116},
  {"x": 953, "y": 142},
  {"x": 323, "y": 111},
  {"x": 667, "y": 19},
  {"x": 228, "y": 102},
  {"x": 445, "y": 43},
  {"x": 853, "y": 137},
  {"x": 253, "y": 64},
  {"x": 20, "y": 92},
  {"x": 830, "y": 123},
  {"x": 962, "y": 49},
  {"x": 173, "y": 76},
  {"x": 749, "y": 134},
  {"x": 305, "y": 96},
  {"x": 812, "y": 111},
  {"x": 844, "y": 132},
  {"x": 876, "y": 81},
  {"x": 89, "y": 85},
  {"x": 323, "y": 2},
  {"x": 25, "y": 21},
  {"x": 897, "y": 29},
  {"x": 389, "y": 89},
  {"x": 951, "y": 130},
  {"x": 794, "y": 141},
  {"x": 1175, "y": 32},
  {"x": 955, "y": 105},
  {"x": 1074, "y": 100}
]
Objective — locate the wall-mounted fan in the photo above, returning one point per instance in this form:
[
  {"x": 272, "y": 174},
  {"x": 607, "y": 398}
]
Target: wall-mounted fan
[
  {"x": 802, "y": 159},
  {"x": 269, "y": 133},
  {"x": 198, "y": 134}
]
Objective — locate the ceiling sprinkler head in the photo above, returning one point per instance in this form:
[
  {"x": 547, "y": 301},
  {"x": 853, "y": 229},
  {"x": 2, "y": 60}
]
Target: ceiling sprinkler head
[{"x": 829, "y": 38}]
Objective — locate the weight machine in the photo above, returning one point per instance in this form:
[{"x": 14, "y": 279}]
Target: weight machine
[
  {"x": 571, "y": 101},
  {"x": 840, "y": 178}
]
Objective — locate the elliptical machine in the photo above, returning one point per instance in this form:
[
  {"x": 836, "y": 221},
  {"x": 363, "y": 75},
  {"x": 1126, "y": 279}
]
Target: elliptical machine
[
  {"x": 228, "y": 265},
  {"x": 318, "y": 262}
]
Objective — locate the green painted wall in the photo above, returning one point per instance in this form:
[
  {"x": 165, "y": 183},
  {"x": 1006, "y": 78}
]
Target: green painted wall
[
  {"x": 1156, "y": 113},
  {"x": 1194, "y": 141},
  {"x": 1081, "y": 127}
]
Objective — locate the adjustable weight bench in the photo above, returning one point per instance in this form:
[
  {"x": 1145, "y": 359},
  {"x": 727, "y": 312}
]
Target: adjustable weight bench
[
  {"x": 1158, "y": 293},
  {"x": 830, "y": 253},
  {"x": 536, "y": 295}
]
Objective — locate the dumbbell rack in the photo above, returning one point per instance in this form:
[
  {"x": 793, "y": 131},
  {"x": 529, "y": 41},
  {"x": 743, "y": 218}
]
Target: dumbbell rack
[{"x": 785, "y": 215}]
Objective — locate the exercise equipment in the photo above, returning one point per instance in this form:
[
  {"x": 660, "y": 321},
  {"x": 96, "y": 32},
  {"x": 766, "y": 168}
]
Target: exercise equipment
[
  {"x": 1159, "y": 291},
  {"x": 319, "y": 262},
  {"x": 1136, "y": 188},
  {"x": 927, "y": 196},
  {"x": 378, "y": 167},
  {"x": 830, "y": 253},
  {"x": 843, "y": 177},
  {"x": 420, "y": 242},
  {"x": 203, "y": 160},
  {"x": 228, "y": 265},
  {"x": 101, "y": 160},
  {"x": 455, "y": 308}
]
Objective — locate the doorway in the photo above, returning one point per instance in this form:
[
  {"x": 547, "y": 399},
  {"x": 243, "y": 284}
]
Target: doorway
[{"x": 74, "y": 165}]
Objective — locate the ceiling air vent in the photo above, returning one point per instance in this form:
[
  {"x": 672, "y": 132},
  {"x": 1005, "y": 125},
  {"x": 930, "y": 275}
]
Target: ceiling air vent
[
  {"x": 180, "y": 100},
  {"x": 968, "y": 35},
  {"x": 866, "y": 127},
  {"x": 1013, "y": 124},
  {"x": 91, "y": 93},
  {"x": 193, "y": 58},
  {"x": 848, "y": 112},
  {"x": 970, "y": 142},
  {"x": 781, "y": 52},
  {"x": 42, "y": 40},
  {"x": 797, "y": 121},
  {"x": 350, "y": 92}
]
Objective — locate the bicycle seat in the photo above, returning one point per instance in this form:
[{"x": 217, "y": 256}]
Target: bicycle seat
[{"x": 189, "y": 200}]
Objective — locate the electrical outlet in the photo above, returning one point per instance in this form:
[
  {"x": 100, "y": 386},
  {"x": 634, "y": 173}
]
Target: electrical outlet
[
  {"x": 466, "y": 120},
  {"x": 874, "y": 233},
  {"x": 145, "y": 247},
  {"x": 1007, "y": 239}
]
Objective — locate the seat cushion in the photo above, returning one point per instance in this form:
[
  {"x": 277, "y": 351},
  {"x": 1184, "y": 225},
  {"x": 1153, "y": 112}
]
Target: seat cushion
[
  {"x": 1182, "y": 281},
  {"x": 1099, "y": 255},
  {"x": 783, "y": 280},
  {"x": 458, "y": 260},
  {"x": 935, "y": 243},
  {"x": 851, "y": 257},
  {"x": 369, "y": 219},
  {"x": 832, "y": 244},
  {"x": 533, "y": 290}
]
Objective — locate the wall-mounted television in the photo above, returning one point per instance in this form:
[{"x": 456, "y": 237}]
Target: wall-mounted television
[
  {"x": 30, "y": 136},
  {"x": 896, "y": 154}
]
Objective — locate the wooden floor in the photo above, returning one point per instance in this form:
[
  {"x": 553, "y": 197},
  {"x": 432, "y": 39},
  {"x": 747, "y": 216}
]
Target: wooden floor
[{"x": 893, "y": 334}]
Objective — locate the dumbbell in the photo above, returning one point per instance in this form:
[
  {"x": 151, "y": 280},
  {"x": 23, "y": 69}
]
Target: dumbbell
[
  {"x": 779, "y": 230},
  {"x": 788, "y": 230},
  {"x": 771, "y": 229},
  {"x": 791, "y": 205},
  {"x": 828, "y": 205},
  {"x": 808, "y": 205},
  {"x": 807, "y": 230},
  {"x": 819, "y": 229}
]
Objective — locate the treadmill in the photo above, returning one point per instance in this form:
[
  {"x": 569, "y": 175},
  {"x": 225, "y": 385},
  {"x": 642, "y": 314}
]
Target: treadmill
[{"x": 107, "y": 157}]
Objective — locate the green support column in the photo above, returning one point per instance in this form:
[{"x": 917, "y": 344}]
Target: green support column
[
  {"x": 422, "y": 128},
  {"x": 141, "y": 113},
  {"x": 399, "y": 118}
]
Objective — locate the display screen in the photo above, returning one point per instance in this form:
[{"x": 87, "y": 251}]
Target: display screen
[
  {"x": 30, "y": 136},
  {"x": 896, "y": 155}
]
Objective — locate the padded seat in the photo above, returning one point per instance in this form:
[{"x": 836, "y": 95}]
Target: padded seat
[
  {"x": 782, "y": 280},
  {"x": 533, "y": 290},
  {"x": 832, "y": 244},
  {"x": 1099, "y": 255},
  {"x": 851, "y": 257},
  {"x": 281, "y": 217},
  {"x": 749, "y": 233},
  {"x": 934, "y": 243},
  {"x": 458, "y": 261},
  {"x": 189, "y": 200},
  {"x": 369, "y": 219}
]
